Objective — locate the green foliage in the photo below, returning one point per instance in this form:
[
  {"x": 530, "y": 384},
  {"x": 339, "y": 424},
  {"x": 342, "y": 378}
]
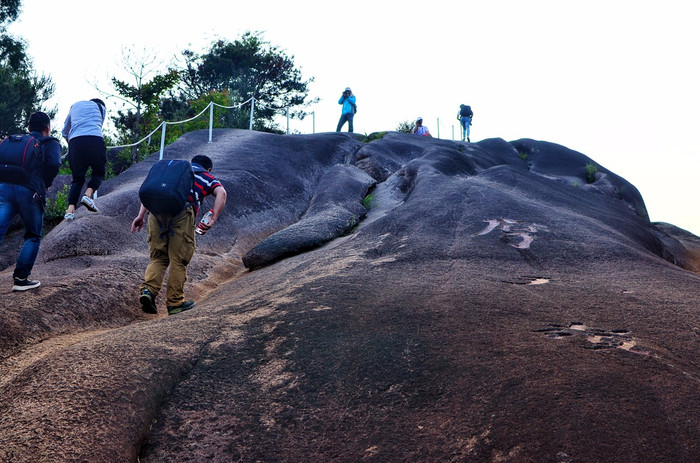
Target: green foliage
[
  {"x": 248, "y": 67},
  {"x": 55, "y": 208},
  {"x": 621, "y": 192},
  {"x": 141, "y": 97},
  {"x": 374, "y": 136},
  {"x": 591, "y": 170},
  {"x": 147, "y": 93},
  {"x": 22, "y": 91},
  {"x": 522, "y": 155},
  {"x": 368, "y": 201},
  {"x": 65, "y": 167},
  {"x": 222, "y": 116},
  {"x": 9, "y": 10},
  {"x": 404, "y": 127}
]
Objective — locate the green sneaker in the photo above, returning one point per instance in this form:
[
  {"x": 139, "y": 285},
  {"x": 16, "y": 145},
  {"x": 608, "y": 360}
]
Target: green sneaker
[
  {"x": 187, "y": 305},
  {"x": 147, "y": 301}
]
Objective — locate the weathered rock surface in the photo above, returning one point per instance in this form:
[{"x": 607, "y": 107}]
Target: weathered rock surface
[{"x": 491, "y": 304}]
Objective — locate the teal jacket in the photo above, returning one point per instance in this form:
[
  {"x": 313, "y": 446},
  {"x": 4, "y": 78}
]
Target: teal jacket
[{"x": 347, "y": 104}]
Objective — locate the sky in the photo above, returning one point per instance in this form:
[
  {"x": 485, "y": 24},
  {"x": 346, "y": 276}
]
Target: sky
[{"x": 617, "y": 80}]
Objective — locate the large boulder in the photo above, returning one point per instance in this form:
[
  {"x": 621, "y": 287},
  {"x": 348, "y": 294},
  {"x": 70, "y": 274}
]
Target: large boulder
[{"x": 413, "y": 299}]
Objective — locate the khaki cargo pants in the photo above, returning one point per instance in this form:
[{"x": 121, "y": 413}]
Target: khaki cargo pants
[{"x": 174, "y": 250}]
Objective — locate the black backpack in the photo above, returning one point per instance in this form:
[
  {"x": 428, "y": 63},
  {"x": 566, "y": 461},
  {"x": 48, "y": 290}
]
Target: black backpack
[
  {"x": 466, "y": 111},
  {"x": 166, "y": 189},
  {"x": 20, "y": 156}
]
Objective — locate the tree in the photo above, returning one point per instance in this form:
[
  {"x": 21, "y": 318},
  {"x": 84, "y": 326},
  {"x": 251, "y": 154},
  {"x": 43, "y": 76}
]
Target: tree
[
  {"x": 405, "y": 126},
  {"x": 248, "y": 67},
  {"x": 22, "y": 91},
  {"x": 142, "y": 97}
]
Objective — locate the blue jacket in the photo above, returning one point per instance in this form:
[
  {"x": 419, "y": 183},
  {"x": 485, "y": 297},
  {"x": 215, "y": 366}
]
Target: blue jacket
[{"x": 347, "y": 104}]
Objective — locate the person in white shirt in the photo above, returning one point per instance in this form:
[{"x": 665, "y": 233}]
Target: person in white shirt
[
  {"x": 86, "y": 149},
  {"x": 420, "y": 129}
]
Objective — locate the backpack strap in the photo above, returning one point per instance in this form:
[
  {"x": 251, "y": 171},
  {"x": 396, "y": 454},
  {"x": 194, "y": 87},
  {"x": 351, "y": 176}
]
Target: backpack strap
[
  {"x": 102, "y": 110},
  {"x": 166, "y": 228}
]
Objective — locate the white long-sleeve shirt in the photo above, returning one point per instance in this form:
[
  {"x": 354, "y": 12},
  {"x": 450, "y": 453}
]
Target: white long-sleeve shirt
[{"x": 84, "y": 118}]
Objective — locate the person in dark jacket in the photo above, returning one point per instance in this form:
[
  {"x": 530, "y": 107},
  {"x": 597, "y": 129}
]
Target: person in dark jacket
[{"x": 28, "y": 200}]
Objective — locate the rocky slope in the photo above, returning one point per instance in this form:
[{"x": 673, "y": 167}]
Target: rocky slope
[{"x": 407, "y": 299}]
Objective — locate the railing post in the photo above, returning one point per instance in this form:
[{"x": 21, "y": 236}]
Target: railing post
[
  {"x": 252, "y": 106},
  {"x": 162, "y": 140},
  {"x": 287, "y": 111},
  {"x": 211, "y": 118},
  {"x": 314, "y": 121},
  {"x": 438, "y": 126}
]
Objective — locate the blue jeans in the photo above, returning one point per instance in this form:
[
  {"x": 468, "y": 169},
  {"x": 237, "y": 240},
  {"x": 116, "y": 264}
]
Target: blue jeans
[
  {"x": 466, "y": 122},
  {"x": 17, "y": 199},
  {"x": 343, "y": 118}
]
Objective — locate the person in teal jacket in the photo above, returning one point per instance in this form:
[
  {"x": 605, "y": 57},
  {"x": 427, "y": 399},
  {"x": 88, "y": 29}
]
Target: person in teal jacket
[{"x": 347, "y": 99}]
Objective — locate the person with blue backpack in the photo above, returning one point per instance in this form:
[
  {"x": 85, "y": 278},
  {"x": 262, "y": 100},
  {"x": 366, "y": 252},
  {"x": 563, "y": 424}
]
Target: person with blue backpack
[
  {"x": 464, "y": 116},
  {"x": 28, "y": 165},
  {"x": 172, "y": 194}
]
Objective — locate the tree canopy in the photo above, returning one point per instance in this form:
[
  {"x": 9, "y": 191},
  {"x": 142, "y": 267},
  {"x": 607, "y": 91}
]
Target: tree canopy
[
  {"x": 141, "y": 95},
  {"x": 247, "y": 67},
  {"x": 22, "y": 91},
  {"x": 9, "y": 10}
]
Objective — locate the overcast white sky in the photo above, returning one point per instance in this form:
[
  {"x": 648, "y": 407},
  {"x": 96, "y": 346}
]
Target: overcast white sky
[{"x": 617, "y": 80}]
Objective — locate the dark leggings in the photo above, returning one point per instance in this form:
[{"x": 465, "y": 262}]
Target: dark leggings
[{"x": 84, "y": 152}]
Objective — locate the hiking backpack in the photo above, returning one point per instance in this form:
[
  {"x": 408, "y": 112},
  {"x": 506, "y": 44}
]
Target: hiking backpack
[
  {"x": 166, "y": 188},
  {"x": 20, "y": 156},
  {"x": 466, "y": 111}
]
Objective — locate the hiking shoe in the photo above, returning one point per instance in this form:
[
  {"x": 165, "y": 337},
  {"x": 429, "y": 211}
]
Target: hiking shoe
[
  {"x": 187, "y": 305},
  {"x": 69, "y": 216},
  {"x": 23, "y": 284},
  {"x": 148, "y": 303},
  {"x": 89, "y": 203}
]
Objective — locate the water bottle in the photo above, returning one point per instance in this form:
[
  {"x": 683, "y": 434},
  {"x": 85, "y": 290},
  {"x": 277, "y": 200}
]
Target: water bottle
[{"x": 203, "y": 225}]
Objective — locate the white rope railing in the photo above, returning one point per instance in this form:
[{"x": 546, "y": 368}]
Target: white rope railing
[{"x": 163, "y": 125}]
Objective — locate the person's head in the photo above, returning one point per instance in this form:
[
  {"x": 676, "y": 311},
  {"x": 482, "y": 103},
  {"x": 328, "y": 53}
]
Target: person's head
[
  {"x": 347, "y": 91},
  {"x": 203, "y": 161},
  {"x": 39, "y": 122},
  {"x": 99, "y": 102},
  {"x": 419, "y": 121}
]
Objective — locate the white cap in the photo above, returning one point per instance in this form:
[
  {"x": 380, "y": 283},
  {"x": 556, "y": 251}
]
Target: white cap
[
  {"x": 419, "y": 119},
  {"x": 347, "y": 89}
]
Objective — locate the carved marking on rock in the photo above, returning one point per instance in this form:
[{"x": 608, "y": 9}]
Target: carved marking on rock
[{"x": 516, "y": 233}]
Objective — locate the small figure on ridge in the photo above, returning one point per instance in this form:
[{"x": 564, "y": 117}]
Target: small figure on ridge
[
  {"x": 347, "y": 114},
  {"x": 464, "y": 116},
  {"x": 420, "y": 129}
]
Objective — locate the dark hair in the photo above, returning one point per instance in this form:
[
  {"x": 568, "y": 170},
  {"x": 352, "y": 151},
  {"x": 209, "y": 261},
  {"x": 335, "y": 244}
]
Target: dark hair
[
  {"x": 38, "y": 121},
  {"x": 99, "y": 102},
  {"x": 203, "y": 161}
]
